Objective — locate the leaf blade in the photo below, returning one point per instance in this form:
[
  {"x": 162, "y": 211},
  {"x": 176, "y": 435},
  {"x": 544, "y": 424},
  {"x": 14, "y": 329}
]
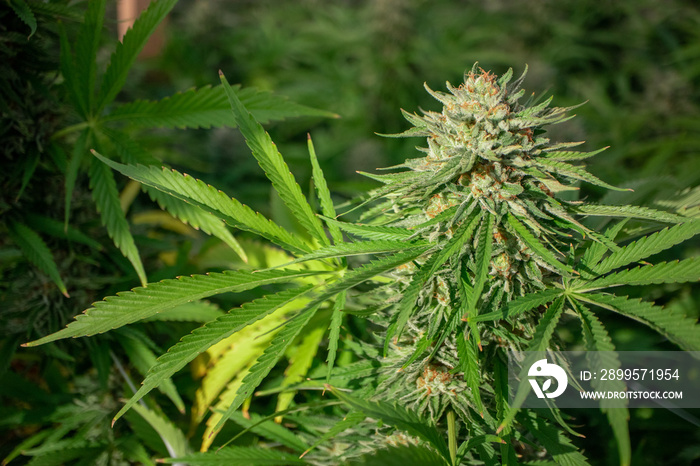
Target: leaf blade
[{"x": 271, "y": 161}]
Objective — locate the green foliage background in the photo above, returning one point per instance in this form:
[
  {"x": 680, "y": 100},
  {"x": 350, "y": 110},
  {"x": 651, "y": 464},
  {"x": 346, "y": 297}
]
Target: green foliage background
[{"x": 637, "y": 63}]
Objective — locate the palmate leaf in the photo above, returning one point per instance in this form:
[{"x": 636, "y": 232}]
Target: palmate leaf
[
  {"x": 595, "y": 252},
  {"x": 674, "y": 325},
  {"x": 208, "y": 107},
  {"x": 202, "y": 338},
  {"x": 324, "y": 195},
  {"x": 35, "y": 249},
  {"x": 600, "y": 356},
  {"x": 250, "y": 456},
  {"x": 68, "y": 72},
  {"x": 400, "y": 418},
  {"x": 209, "y": 199},
  {"x": 536, "y": 247},
  {"x": 648, "y": 246},
  {"x": 539, "y": 343},
  {"x": 627, "y": 211},
  {"x": 129, "y": 48},
  {"x": 197, "y": 218},
  {"x": 141, "y": 303},
  {"x": 267, "y": 361},
  {"x": 86, "y": 50},
  {"x": 572, "y": 171},
  {"x": 106, "y": 196},
  {"x": 77, "y": 156},
  {"x": 666, "y": 272},
  {"x": 271, "y": 161}
]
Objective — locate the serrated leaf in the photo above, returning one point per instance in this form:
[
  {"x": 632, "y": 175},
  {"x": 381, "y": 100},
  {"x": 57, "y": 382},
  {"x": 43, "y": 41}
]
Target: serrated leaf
[
  {"x": 36, "y": 251},
  {"x": 86, "y": 50},
  {"x": 483, "y": 262},
  {"x": 106, "y": 197},
  {"x": 129, "y": 48},
  {"x": 210, "y": 199},
  {"x": 68, "y": 72},
  {"x": 539, "y": 343},
  {"x": 208, "y": 107},
  {"x": 173, "y": 438},
  {"x": 687, "y": 270},
  {"x": 324, "y": 194},
  {"x": 77, "y": 156},
  {"x": 372, "y": 232},
  {"x": 536, "y": 246},
  {"x": 334, "y": 336},
  {"x": 469, "y": 364},
  {"x": 197, "y": 218},
  {"x": 648, "y": 246},
  {"x": 271, "y": 161},
  {"x": 571, "y": 155},
  {"x": 572, "y": 171},
  {"x": 674, "y": 325},
  {"x": 627, "y": 211},
  {"x": 24, "y": 13},
  {"x": 520, "y": 305},
  {"x": 141, "y": 303},
  {"x": 208, "y": 335},
  {"x": 197, "y": 311},
  {"x": 267, "y": 361},
  {"x": 595, "y": 252},
  {"x": 600, "y": 356},
  {"x": 143, "y": 358},
  {"x": 227, "y": 456},
  {"x": 400, "y": 418}
]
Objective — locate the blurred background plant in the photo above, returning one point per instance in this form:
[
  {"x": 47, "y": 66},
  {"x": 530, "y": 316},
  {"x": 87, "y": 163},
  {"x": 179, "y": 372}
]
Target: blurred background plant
[{"x": 636, "y": 63}]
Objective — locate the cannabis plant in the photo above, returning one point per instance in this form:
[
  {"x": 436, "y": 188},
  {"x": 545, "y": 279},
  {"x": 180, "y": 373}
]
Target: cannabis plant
[{"x": 480, "y": 246}]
